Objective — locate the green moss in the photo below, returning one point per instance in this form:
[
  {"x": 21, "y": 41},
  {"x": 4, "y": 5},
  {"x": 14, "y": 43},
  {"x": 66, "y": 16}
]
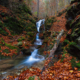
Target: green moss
[
  {"x": 51, "y": 46},
  {"x": 31, "y": 78},
  {"x": 1, "y": 24},
  {"x": 78, "y": 24},
  {"x": 63, "y": 55},
  {"x": 11, "y": 47},
  {"x": 65, "y": 42},
  {"x": 60, "y": 13},
  {"x": 20, "y": 20},
  {"x": 6, "y": 50},
  {"x": 72, "y": 43},
  {"x": 19, "y": 43},
  {"x": 73, "y": 1},
  {"x": 74, "y": 64},
  {"x": 14, "y": 25},
  {"x": 69, "y": 8},
  {"x": 8, "y": 45},
  {"x": 71, "y": 23},
  {"x": 58, "y": 21},
  {"x": 20, "y": 39},
  {"x": 49, "y": 22},
  {"x": 3, "y": 32},
  {"x": 24, "y": 8},
  {"x": 31, "y": 34},
  {"x": 3, "y": 14}
]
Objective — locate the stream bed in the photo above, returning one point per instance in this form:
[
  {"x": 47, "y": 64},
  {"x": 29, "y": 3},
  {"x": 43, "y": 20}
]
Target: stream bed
[{"x": 21, "y": 63}]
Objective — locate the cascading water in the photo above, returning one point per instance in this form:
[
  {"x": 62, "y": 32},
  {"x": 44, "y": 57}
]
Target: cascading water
[
  {"x": 35, "y": 57},
  {"x": 39, "y": 23}
]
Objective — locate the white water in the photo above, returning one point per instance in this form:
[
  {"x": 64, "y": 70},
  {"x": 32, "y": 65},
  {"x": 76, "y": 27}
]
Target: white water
[
  {"x": 35, "y": 57},
  {"x": 39, "y": 23},
  {"x": 38, "y": 41}
]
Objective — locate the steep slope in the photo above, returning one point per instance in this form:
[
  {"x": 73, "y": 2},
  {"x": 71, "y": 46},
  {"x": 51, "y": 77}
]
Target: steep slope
[
  {"x": 68, "y": 65},
  {"x": 17, "y": 29},
  {"x": 59, "y": 24},
  {"x": 73, "y": 24}
]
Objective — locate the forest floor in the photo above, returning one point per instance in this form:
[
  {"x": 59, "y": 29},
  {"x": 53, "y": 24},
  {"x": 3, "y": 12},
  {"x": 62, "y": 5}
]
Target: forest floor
[
  {"x": 59, "y": 24},
  {"x": 62, "y": 70}
]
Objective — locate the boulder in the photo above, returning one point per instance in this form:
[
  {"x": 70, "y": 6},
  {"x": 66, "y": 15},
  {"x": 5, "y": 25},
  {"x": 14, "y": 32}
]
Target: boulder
[
  {"x": 78, "y": 40},
  {"x": 26, "y": 52},
  {"x": 19, "y": 43}
]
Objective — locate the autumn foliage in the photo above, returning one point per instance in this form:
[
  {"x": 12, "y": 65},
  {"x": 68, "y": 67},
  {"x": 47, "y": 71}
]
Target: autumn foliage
[{"x": 60, "y": 70}]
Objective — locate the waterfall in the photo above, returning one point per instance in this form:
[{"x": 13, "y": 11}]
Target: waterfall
[
  {"x": 39, "y": 23},
  {"x": 35, "y": 57}
]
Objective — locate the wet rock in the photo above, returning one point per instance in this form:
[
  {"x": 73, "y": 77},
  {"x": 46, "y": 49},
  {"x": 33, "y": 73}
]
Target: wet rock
[
  {"x": 42, "y": 28},
  {"x": 48, "y": 33},
  {"x": 19, "y": 43},
  {"x": 39, "y": 65},
  {"x": 78, "y": 40},
  {"x": 6, "y": 67},
  {"x": 33, "y": 48},
  {"x": 73, "y": 1},
  {"x": 41, "y": 36},
  {"x": 26, "y": 52},
  {"x": 39, "y": 46}
]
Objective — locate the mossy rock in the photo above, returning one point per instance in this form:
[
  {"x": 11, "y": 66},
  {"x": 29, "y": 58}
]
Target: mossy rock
[
  {"x": 73, "y": 11},
  {"x": 20, "y": 39},
  {"x": 3, "y": 32},
  {"x": 21, "y": 8},
  {"x": 18, "y": 22},
  {"x": 14, "y": 25},
  {"x": 73, "y": 1},
  {"x": 74, "y": 64},
  {"x": 19, "y": 43},
  {"x": 1, "y": 24},
  {"x": 78, "y": 40},
  {"x": 4, "y": 14},
  {"x": 74, "y": 50},
  {"x": 6, "y": 50},
  {"x": 60, "y": 13},
  {"x": 26, "y": 52},
  {"x": 49, "y": 22}
]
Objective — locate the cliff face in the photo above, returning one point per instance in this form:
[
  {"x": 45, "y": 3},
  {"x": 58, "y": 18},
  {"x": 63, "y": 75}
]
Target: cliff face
[{"x": 73, "y": 25}]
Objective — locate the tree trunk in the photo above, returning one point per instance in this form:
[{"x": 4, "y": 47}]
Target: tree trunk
[
  {"x": 38, "y": 8},
  {"x": 53, "y": 49}
]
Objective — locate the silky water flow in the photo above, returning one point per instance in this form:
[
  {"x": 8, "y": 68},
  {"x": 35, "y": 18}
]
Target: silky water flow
[{"x": 35, "y": 57}]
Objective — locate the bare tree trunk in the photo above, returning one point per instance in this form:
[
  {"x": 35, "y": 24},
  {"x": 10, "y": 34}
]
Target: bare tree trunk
[
  {"x": 54, "y": 48},
  {"x": 69, "y": 1},
  {"x": 38, "y": 8}
]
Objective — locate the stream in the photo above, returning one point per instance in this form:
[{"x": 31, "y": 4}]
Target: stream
[
  {"x": 35, "y": 57},
  {"x": 27, "y": 61}
]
